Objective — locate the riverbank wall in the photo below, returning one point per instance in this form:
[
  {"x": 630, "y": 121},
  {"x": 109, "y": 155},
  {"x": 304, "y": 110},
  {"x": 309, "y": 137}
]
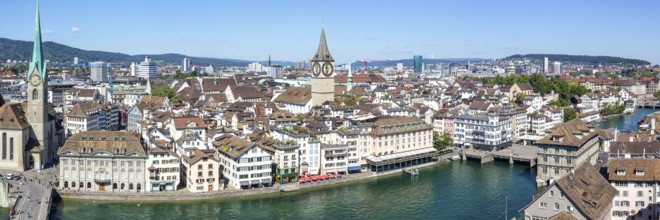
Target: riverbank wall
[{"x": 231, "y": 193}]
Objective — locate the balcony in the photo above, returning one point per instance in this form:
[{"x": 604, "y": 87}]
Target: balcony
[{"x": 102, "y": 180}]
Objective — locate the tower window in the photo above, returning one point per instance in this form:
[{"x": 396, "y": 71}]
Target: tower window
[{"x": 35, "y": 94}]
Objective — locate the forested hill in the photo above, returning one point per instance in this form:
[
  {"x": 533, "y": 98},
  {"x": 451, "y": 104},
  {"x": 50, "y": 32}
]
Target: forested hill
[
  {"x": 580, "y": 59},
  {"x": 55, "y": 52}
]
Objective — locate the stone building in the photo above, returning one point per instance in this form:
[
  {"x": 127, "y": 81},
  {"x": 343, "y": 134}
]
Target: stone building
[
  {"x": 565, "y": 147},
  {"x": 103, "y": 161}
]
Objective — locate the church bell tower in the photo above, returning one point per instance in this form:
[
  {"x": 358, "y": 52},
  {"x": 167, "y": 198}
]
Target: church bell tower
[
  {"x": 323, "y": 74},
  {"x": 37, "y": 91}
]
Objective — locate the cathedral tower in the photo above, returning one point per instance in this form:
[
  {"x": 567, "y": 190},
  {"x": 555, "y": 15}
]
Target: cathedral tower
[{"x": 323, "y": 74}]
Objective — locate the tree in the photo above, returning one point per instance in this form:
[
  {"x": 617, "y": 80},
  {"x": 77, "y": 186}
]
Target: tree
[
  {"x": 442, "y": 141},
  {"x": 520, "y": 97},
  {"x": 569, "y": 114},
  {"x": 166, "y": 91},
  {"x": 656, "y": 95}
]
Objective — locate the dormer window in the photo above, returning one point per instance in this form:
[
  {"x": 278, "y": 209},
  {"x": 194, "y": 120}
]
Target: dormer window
[
  {"x": 639, "y": 171},
  {"x": 620, "y": 171}
]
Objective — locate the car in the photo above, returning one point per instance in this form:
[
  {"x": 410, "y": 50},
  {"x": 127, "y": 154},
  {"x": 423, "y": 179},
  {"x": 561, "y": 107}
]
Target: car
[{"x": 10, "y": 176}]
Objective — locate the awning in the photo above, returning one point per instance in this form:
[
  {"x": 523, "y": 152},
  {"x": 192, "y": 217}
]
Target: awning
[
  {"x": 266, "y": 180},
  {"x": 245, "y": 183},
  {"x": 354, "y": 168},
  {"x": 254, "y": 182}
]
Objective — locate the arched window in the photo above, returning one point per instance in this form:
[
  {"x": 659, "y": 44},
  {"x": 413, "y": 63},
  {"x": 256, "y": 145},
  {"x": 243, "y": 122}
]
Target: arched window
[
  {"x": 11, "y": 148},
  {"x": 73, "y": 184},
  {"x": 139, "y": 186},
  {"x": 66, "y": 184},
  {"x": 35, "y": 94},
  {"x": 114, "y": 186},
  {"x": 130, "y": 186},
  {"x": 89, "y": 185},
  {"x": 81, "y": 185},
  {"x": 4, "y": 146},
  {"x": 123, "y": 185}
]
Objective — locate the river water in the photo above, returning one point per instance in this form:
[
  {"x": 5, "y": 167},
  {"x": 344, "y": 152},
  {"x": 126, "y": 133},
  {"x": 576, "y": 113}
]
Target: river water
[{"x": 456, "y": 190}]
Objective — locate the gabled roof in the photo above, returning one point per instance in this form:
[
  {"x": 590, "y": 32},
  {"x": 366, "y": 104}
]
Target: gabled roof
[
  {"x": 628, "y": 166},
  {"x": 113, "y": 142},
  {"x": 570, "y": 134},
  {"x": 12, "y": 116},
  {"x": 295, "y": 95},
  {"x": 188, "y": 123},
  {"x": 588, "y": 190},
  {"x": 232, "y": 145}
]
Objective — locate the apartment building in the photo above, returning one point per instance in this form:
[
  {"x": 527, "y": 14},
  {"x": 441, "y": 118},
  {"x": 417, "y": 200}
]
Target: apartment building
[{"x": 243, "y": 163}]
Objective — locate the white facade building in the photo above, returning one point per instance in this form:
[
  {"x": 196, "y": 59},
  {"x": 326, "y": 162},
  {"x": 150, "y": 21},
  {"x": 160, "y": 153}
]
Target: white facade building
[{"x": 147, "y": 69}]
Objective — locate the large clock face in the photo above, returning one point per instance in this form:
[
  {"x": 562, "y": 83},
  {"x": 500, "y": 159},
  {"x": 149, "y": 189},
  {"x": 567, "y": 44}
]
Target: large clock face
[
  {"x": 35, "y": 80},
  {"x": 327, "y": 69},
  {"x": 316, "y": 69}
]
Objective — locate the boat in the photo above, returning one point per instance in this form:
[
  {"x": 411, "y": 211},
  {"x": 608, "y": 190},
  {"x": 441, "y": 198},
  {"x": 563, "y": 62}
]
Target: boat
[{"x": 455, "y": 157}]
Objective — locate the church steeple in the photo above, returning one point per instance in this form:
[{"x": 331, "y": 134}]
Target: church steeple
[
  {"x": 322, "y": 53},
  {"x": 37, "y": 63},
  {"x": 349, "y": 79}
]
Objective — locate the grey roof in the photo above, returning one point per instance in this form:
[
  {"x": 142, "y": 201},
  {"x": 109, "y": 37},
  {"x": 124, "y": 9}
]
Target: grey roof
[{"x": 322, "y": 53}]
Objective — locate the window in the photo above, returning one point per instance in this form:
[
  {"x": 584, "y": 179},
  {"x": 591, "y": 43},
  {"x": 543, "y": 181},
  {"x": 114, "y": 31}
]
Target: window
[
  {"x": 543, "y": 205},
  {"x": 4, "y": 146},
  {"x": 556, "y": 206},
  {"x": 556, "y": 159},
  {"x": 35, "y": 96},
  {"x": 569, "y": 209},
  {"x": 11, "y": 148},
  {"x": 639, "y": 204},
  {"x": 640, "y": 193},
  {"x": 552, "y": 193}
]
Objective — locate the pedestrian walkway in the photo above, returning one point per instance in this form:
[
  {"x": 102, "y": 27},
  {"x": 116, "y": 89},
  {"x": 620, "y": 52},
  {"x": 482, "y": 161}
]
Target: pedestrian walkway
[{"x": 34, "y": 189}]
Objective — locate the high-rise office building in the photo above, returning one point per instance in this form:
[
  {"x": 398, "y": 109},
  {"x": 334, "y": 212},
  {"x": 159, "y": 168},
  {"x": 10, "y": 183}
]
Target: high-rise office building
[
  {"x": 147, "y": 69},
  {"x": 75, "y": 60},
  {"x": 545, "y": 65},
  {"x": 99, "y": 71},
  {"x": 275, "y": 71},
  {"x": 557, "y": 68},
  {"x": 133, "y": 69},
  {"x": 399, "y": 67},
  {"x": 417, "y": 63},
  {"x": 186, "y": 66}
]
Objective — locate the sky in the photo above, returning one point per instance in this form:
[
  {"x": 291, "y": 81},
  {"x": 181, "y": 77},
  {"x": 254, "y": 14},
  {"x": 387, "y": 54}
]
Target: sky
[{"x": 366, "y": 29}]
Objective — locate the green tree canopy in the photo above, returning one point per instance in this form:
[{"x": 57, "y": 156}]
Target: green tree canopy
[
  {"x": 166, "y": 91},
  {"x": 569, "y": 114}
]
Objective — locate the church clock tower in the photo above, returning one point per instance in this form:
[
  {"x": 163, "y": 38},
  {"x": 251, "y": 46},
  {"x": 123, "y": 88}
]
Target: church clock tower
[
  {"x": 37, "y": 114},
  {"x": 323, "y": 74}
]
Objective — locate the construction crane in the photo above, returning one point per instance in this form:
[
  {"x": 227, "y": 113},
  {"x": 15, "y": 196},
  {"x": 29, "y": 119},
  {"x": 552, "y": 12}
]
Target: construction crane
[{"x": 366, "y": 65}]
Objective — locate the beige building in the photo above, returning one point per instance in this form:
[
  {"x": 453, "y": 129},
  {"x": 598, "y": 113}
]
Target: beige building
[
  {"x": 103, "y": 161},
  {"x": 201, "y": 171},
  {"x": 565, "y": 147}
]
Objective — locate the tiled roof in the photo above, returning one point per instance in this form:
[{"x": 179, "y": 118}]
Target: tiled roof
[
  {"x": 113, "y": 142},
  {"x": 590, "y": 191},
  {"x": 12, "y": 116},
  {"x": 570, "y": 134},
  {"x": 79, "y": 92},
  {"x": 189, "y": 122},
  {"x": 295, "y": 95},
  {"x": 232, "y": 145},
  {"x": 628, "y": 166},
  {"x": 390, "y": 125}
]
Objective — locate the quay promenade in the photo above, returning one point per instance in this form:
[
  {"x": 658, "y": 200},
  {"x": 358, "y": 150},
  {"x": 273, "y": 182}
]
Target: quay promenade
[{"x": 230, "y": 193}]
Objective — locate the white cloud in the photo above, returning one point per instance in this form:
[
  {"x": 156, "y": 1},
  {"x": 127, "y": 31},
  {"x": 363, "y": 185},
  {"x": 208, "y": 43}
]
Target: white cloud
[
  {"x": 75, "y": 29},
  {"x": 46, "y": 31}
]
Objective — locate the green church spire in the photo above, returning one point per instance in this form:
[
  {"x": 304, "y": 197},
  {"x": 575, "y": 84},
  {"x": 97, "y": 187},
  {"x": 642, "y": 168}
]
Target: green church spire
[{"x": 37, "y": 64}]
